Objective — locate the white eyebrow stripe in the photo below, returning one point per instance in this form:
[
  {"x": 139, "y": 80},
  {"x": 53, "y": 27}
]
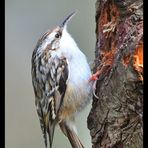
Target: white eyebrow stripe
[{"x": 48, "y": 40}]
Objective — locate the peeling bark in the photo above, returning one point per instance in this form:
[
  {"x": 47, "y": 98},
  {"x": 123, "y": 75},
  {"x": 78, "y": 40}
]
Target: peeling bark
[{"x": 115, "y": 120}]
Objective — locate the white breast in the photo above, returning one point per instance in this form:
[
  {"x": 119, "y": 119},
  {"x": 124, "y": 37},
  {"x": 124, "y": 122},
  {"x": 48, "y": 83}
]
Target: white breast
[{"x": 78, "y": 86}]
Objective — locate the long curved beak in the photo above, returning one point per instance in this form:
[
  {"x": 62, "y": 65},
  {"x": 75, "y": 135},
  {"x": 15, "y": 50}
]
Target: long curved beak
[{"x": 67, "y": 19}]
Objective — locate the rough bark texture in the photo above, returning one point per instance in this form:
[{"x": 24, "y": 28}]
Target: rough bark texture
[{"x": 115, "y": 120}]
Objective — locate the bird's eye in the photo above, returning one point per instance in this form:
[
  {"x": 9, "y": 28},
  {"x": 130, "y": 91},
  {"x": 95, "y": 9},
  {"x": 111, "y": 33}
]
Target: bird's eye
[{"x": 57, "y": 35}]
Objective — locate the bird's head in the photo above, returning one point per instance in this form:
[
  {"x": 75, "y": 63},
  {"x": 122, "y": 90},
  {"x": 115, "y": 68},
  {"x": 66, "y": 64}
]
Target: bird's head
[{"x": 53, "y": 39}]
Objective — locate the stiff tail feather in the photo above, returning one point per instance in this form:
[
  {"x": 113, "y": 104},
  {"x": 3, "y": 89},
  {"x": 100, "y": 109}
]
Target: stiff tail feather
[{"x": 71, "y": 135}]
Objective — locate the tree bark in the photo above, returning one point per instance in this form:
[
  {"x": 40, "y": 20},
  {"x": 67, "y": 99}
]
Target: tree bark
[{"x": 115, "y": 120}]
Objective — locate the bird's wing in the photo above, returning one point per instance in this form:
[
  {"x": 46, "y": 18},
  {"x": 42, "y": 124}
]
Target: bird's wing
[{"x": 50, "y": 86}]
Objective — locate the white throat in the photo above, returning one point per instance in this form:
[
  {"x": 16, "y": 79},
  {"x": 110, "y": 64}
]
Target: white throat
[{"x": 67, "y": 44}]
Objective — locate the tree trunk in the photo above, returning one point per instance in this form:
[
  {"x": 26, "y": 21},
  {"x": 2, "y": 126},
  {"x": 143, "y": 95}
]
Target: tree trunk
[{"x": 115, "y": 120}]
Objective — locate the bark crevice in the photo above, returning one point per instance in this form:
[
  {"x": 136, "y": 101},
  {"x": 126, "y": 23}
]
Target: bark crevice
[{"x": 115, "y": 120}]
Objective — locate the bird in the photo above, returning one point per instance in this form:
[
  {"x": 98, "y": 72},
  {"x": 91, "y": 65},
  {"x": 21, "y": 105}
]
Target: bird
[{"x": 60, "y": 78}]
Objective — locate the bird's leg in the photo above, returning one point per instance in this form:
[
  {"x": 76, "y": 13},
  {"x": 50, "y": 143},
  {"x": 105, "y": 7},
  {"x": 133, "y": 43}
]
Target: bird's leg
[
  {"x": 94, "y": 79},
  {"x": 95, "y": 76}
]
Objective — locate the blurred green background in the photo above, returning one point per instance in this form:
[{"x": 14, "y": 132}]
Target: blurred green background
[{"x": 25, "y": 22}]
